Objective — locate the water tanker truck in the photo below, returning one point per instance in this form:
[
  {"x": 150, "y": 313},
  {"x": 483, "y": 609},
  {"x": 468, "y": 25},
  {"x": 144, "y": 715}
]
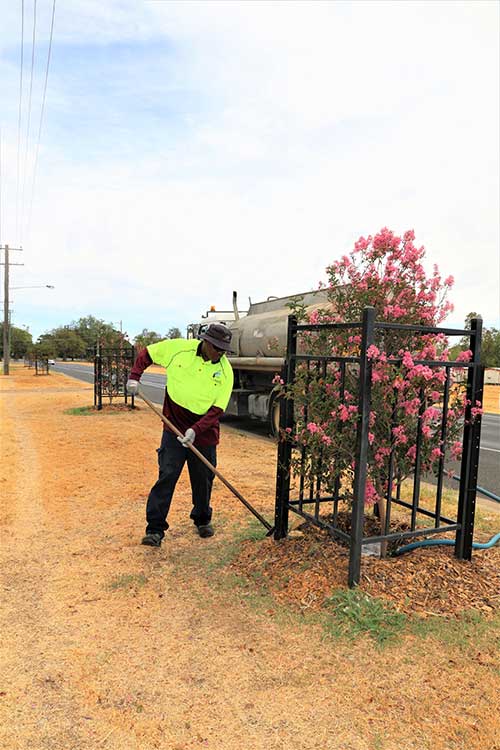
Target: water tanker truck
[{"x": 259, "y": 343}]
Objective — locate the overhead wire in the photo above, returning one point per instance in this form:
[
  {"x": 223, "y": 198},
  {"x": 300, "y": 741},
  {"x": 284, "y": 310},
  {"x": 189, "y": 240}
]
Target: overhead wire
[
  {"x": 29, "y": 117},
  {"x": 37, "y": 149},
  {"x": 19, "y": 120}
]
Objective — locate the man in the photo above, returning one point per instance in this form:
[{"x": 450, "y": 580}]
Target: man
[{"x": 199, "y": 385}]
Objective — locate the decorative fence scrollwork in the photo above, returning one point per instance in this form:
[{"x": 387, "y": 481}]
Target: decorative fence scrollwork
[{"x": 111, "y": 371}]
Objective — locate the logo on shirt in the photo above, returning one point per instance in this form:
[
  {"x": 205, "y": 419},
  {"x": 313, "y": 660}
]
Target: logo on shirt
[{"x": 217, "y": 374}]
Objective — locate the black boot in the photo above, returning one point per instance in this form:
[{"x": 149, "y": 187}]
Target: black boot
[
  {"x": 152, "y": 540},
  {"x": 206, "y": 530}
]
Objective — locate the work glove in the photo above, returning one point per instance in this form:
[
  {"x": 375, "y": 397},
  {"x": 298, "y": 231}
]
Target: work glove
[
  {"x": 188, "y": 439},
  {"x": 133, "y": 387}
]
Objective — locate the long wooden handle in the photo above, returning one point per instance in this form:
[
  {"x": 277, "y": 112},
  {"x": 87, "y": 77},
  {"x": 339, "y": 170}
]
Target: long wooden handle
[{"x": 207, "y": 463}]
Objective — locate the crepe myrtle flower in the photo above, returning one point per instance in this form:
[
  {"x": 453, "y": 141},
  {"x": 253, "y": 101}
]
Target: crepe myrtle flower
[{"x": 385, "y": 271}]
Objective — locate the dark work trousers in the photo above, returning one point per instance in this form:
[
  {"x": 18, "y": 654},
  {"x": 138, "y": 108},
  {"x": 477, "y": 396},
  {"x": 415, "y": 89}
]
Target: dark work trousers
[{"x": 171, "y": 458}]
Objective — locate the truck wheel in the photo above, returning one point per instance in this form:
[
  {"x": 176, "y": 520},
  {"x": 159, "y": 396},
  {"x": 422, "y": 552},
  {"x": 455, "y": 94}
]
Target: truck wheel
[{"x": 274, "y": 414}]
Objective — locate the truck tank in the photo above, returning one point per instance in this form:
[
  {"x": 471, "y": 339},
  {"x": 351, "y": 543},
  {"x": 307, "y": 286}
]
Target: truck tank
[
  {"x": 261, "y": 335},
  {"x": 259, "y": 343}
]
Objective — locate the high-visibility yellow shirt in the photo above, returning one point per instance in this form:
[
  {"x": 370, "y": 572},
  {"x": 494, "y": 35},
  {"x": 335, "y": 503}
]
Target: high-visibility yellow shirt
[{"x": 192, "y": 382}]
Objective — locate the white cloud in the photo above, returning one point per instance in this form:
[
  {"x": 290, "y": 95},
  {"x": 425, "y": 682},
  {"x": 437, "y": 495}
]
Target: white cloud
[{"x": 211, "y": 146}]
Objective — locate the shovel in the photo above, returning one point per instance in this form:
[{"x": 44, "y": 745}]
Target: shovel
[{"x": 173, "y": 428}]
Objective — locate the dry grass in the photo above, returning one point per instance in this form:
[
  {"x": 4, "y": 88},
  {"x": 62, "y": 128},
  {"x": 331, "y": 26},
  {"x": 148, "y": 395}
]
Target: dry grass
[
  {"x": 107, "y": 644},
  {"x": 491, "y": 399}
]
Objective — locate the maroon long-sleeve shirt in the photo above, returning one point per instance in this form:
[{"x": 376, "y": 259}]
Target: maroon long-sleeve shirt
[{"x": 206, "y": 427}]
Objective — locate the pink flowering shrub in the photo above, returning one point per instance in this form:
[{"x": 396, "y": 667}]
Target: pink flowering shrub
[{"x": 407, "y": 397}]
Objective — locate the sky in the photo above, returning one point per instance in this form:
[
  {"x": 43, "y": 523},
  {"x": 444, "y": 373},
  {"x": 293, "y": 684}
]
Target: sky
[{"x": 189, "y": 149}]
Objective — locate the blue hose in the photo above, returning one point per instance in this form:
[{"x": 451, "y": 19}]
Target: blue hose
[{"x": 434, "y": 542}]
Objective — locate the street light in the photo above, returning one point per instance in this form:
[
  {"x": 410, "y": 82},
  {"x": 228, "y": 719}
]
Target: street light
[{"x": 36, "y": 286}]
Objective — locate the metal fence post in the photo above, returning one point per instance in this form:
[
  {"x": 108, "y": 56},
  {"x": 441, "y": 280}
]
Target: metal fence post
[
  {"x": 285, "y": 445},
  {"x": 132, "y": 360},
  {"x": 95, "y": 375},
  {"x": 360, "y": 471},
  {"x": 126, "y": 376},
  {"x": 470, "y": 448},
  {"x": 99, "y": 377}
]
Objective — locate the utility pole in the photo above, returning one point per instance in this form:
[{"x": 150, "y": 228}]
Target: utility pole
[{"x": 6, "y": 317}]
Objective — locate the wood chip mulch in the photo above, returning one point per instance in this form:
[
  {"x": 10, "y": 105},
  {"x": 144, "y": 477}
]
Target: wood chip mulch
[{"x": 307, "y": 567}]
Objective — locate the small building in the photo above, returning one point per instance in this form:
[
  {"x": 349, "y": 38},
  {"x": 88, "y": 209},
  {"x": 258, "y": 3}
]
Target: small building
[{"x": 492, "y": 376}]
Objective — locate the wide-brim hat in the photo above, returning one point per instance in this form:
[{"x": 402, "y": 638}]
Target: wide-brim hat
[{"x": 219, "y": 335}]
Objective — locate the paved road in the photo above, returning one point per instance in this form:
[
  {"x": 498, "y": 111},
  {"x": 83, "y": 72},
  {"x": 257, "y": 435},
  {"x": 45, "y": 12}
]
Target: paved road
[
  {"x": 489, "y": 458},
  {"x": 153, "y": 385}
]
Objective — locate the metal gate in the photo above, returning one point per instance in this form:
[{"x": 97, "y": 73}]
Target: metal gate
[
  {"x": 111, "y": 371},
  {"x": 321, "y": 507},
  {"x": 41, "y": 366}
]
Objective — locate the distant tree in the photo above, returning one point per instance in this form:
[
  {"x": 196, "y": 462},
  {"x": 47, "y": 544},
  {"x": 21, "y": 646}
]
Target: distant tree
[
  {"x": 173, "y": 333},
  {"x": 69, "y": 344},
  {"x": 78, "y": 339},
  {"x": 92, "y": 330},
  {"x": 62, "y": 342},
  {"x": 45, "y": 346},
  {"x": 490, "y": 348},
  {"x": 455, "y": 350},
  {"x": 20, "y": 341},
  {"x": 146, "y": 337},
  {"x": 490, "y": 351}
]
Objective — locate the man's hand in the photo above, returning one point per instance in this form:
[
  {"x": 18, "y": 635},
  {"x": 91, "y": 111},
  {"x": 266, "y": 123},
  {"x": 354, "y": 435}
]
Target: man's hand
[
  {"x": 133, "y": 387},
  {"x": 188, "y": 439}
]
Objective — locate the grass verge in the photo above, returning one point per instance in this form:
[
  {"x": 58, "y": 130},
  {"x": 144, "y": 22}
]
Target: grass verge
[
  {"x": 128, "y": 581},
  {"x": 81, "y": 411},
  {"x": 227, "y": 552},
  {"x": 485, "y": 520},
  {"x": 354, "y": 613},
  {"x": 348, "y": 614},
  {"x": 470, "y": 631},
  {"x": 89, "y": 411}
]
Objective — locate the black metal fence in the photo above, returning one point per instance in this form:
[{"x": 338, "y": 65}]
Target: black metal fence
[
  {"x": 41, "y": 366},
  {"x": 321, "y": 508},
  {"x": 111, "y": 372}
]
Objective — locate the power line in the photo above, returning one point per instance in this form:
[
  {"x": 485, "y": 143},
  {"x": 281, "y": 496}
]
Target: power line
[
  {"x": 19, "y": 118},
  {"x": 29, "y": 114},
  {"x": 41, "y": 117}
]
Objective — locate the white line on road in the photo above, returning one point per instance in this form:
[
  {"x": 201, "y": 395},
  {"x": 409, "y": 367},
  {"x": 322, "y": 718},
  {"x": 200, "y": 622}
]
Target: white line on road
[{"x": 495, "y": 450}]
